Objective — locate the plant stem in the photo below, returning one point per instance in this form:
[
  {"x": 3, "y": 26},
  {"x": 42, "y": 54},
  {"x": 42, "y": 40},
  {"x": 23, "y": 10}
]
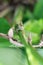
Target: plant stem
[
  {"x": 19, "y": 27},
  {"x": 32, "y": 56}
]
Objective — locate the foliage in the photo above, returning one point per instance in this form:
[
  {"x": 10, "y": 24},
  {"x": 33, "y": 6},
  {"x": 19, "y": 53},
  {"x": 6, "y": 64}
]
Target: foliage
[{"x": 33, "y": 22}]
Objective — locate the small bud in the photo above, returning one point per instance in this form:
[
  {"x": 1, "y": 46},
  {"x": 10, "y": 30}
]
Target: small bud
[
  {"x": 10, "y": 32},
  {"x": 41, "y": 43}
]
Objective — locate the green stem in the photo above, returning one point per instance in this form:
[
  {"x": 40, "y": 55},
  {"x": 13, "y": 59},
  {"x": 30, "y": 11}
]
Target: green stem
[
  {"x": 18, "y": 22},
  {"x": 32, "y": 56}
]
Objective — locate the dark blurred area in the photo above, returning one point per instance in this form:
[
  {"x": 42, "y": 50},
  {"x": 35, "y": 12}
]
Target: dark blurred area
[
  {"x": 8, "y": 7},
  {"x": 3, "y": 5},
  {"x": 6, "y": 3}
]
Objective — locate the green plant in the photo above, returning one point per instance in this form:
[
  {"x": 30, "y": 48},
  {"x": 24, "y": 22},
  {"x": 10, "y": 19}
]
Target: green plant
[{"x": 15, "y": 47}]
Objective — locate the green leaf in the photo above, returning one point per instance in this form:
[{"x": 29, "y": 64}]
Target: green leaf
[
  {"x": 35, "y": 39},
  {"x": 4, "y": 26},
  {"x": 27, "y": 15},
  {"x": 18, "y": 15},
  {"x": 40, "y": 51},
  {"x": 12, "y": 56},
  {"x": 35, "y": 27},
  {"x": 38, "y": 10},
  {"x": 4, "y": 42}
]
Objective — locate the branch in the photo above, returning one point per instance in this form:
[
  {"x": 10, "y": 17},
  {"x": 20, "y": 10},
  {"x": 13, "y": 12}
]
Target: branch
[
  {"x": 40, "y": 45},
  {"x": 17, "y": 43},
  {"x": 11, "y": 40},
  {"x": 4, "y": 35},
  {"x": 37, "y": 46}
]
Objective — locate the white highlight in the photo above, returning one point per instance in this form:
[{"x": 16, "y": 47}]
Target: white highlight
[
  {"x": 16, "y": 43},
  {"x": 10, "y": 33}
]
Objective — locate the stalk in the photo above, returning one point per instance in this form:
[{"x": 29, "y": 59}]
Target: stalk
[{"x": 33, "y": 57}]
